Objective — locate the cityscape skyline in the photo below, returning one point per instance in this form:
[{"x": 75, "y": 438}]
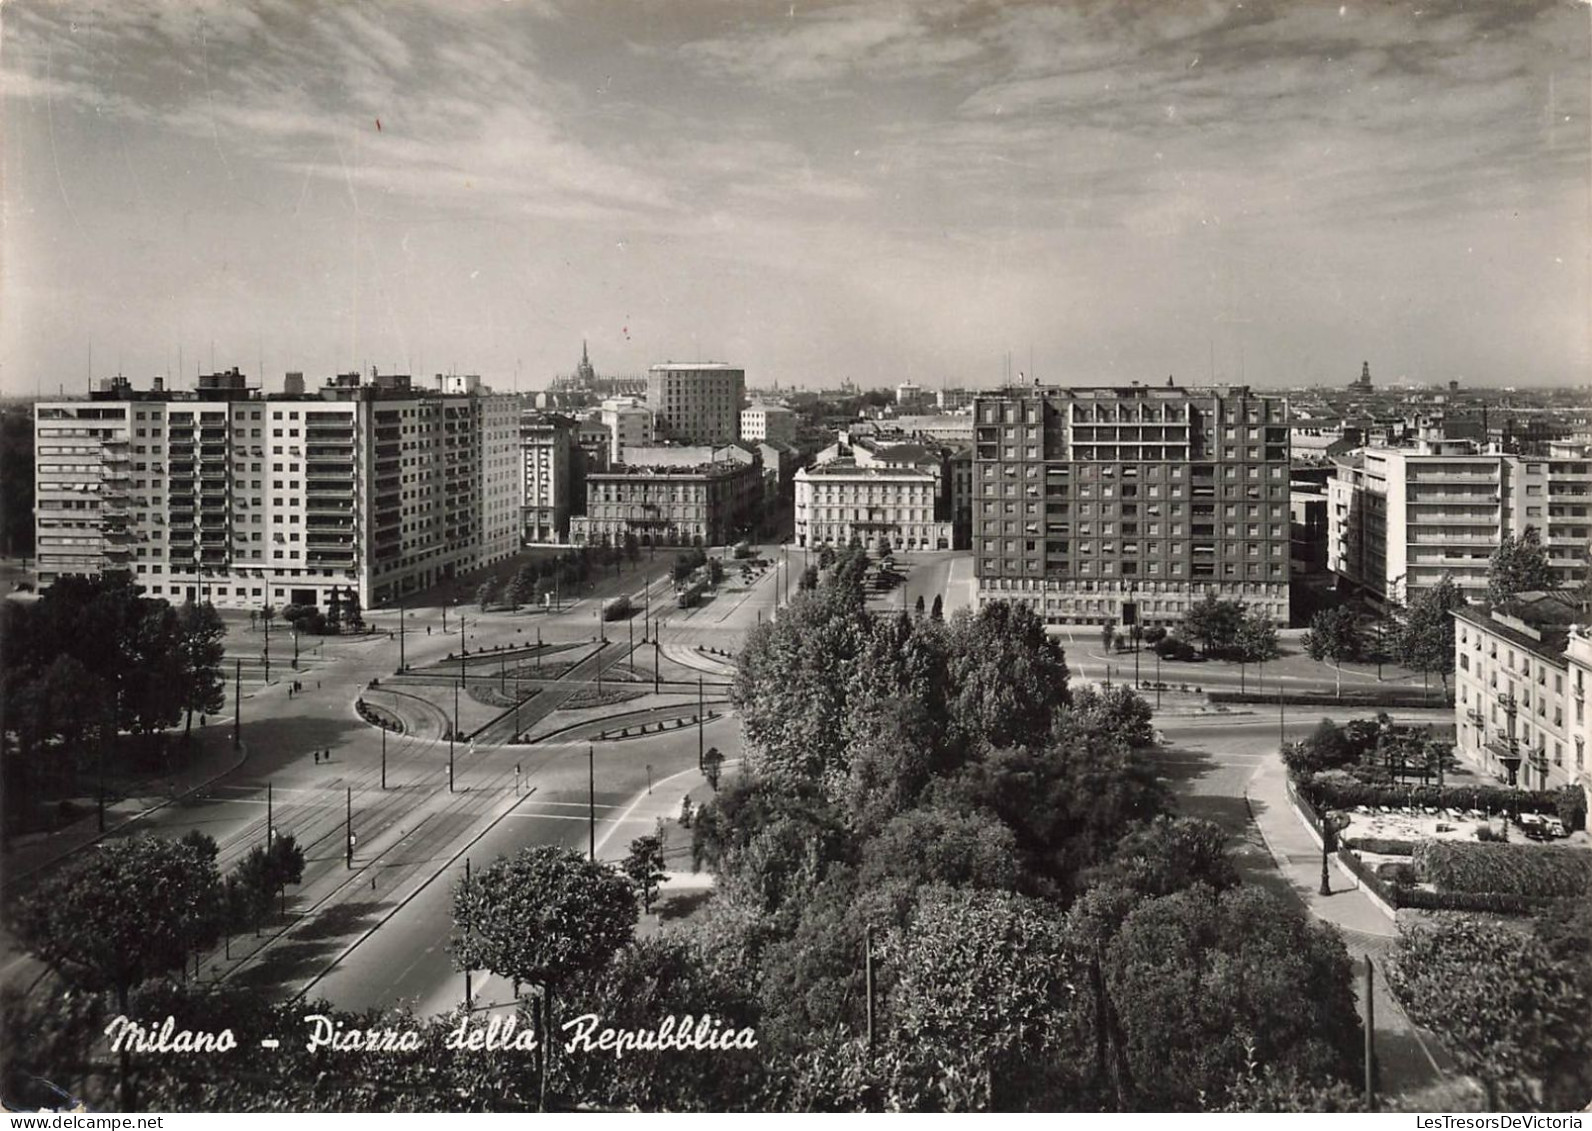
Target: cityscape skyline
[{"x": 943, "y": 194}]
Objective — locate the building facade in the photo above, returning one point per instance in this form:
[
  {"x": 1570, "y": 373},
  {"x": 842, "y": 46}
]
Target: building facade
[
  {"x": 1578, "y": 656},
  {"x": 1131, "y": 503},
  {"x": 673, "y": 501},
  {"x": 768, "y": 422},
  {"x": 1400, "y": 518},
  {"x": 629, "y": 424},
  {"x": 696, "y": 404},
  {"x": 841, "y": 501},
  {"x": 546, "y": 440},
  {"x": 224, "y": 495},
  {"x": 1515, "y": 694}
]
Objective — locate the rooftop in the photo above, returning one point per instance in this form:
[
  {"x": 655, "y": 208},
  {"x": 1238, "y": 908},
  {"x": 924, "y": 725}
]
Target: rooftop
[{"x": 1538, "y": 621}]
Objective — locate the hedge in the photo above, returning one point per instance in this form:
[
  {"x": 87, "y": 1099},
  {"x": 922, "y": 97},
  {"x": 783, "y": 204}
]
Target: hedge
[
  {"x": 1499, "y": 901},
  {"x": 1386, "y": 697},
  {"x": 1487, "y": 798},
  {"x": 1389, "y": 892},
  {"x": 1385, "y": 846},
  {"x": 1516, "y": 869}
]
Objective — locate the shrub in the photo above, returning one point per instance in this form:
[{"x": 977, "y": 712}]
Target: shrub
[
  {"x": 1396, "y": 873},
  {"x": 1489, "y": 835},
  {"x": 1517, "y": 869},
  {"x": 1572, "y": 808},
  {"x": 1385, "y": 846}
]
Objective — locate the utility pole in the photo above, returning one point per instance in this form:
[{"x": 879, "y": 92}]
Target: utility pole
[
  {"x": 384, "y": 755},
  {"x": 401, "y": 615},
  {"x": 451, "y": 730},
  {"x": 267, "y": 649},
  {"x": 591, "y": 798},
  {"x": 1282, "y": 718},
  {"x": 467, "y": 994},
  {"x": 268, "y": 824},
  {"x": 1370, "y": 1039},
  {"x": 657, "y": 662},
  {"x": 237, "y": 704},
  {"x": 701, "y": 723},
  {"x": 348, "y": 825}
]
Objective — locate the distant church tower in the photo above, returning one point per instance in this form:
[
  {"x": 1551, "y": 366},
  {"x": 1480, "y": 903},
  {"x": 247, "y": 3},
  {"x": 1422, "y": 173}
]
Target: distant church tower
[
  {"x": 1365, "y": 376},
  {"x": 584, "y": 372}
]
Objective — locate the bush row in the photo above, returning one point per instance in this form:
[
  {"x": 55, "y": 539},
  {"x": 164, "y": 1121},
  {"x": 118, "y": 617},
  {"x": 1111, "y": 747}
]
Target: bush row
[
  {"x": 1337, "y": 794},
  {"x": 1385, "y": 846},
  {"x": 1519, "y": 869}
]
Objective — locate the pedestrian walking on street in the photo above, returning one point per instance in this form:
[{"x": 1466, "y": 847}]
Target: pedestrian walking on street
[{"x": 317, "y": 757}]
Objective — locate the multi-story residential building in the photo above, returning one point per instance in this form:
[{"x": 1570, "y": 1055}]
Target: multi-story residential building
[
  {"x": 768, "y": 422},
  {"x": 546, "y": 441},
  {"x": 226, "y": 495},
  {"x": 1578, "y": 655},
  {"x": 1131, "y": 503},
  {"x": 1515, "y": 695},
  {"x": 629, "y": 424},
  {"x": 697, "y": 404},
  {"x": 689, "y": 497},
  {"x": 841, "y": 500},
  {"x": 1402, "y": 517}
]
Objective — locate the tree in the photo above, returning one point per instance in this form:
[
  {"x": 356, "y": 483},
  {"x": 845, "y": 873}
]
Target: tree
[
  {"x": 1329, "y": 747},
  {"x": 808, "y": 579},
  {"x": 126, "y": 911},
  {"x": 1007, "y": 677},
  {"x": 334, "y": 612},
  {"x": 1202, "y": 982},
  {"x": 486, "y": 593},
  {"x": 918, "y": 608},
  {"x": 644, "y": 866},
  {"x": 1511, "y": 1010},
  {"x": 1426, "y": 641},
  {"x": 1214, "y": 624},
  {"x": 544, "y": 916},
  {"x": 260, "y": 879},
  {"x": 353, "y": 615},
  {"x": 715, "y": 571},
  {"x": 712, "y": 765},
  {"x": 1118, "y": 711},
  {"x": 936, "y": 844},
  {"x": 1171, "y": 854},
  {"x": 1334, "y": 634},
  {"x": 1519, "y": 565},
  {"x": 985, "y": 980},
  {"x": 1257, "y": 639},
  {"x": 937, "y": 611},
  {"x": 1154, "y": 635},
  {"x": 203, "y": 652}
]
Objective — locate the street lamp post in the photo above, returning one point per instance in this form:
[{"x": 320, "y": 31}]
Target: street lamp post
[
  {"x": 1330, "y": 824},
  {"x": 591, "y": 799},
  {"x": 348, "y": 826},
  {"x": 237, "y": 704},
  {"x": 701, "y": 722},
  {"x": 452, "y": 728},
  {"x": 401, "y": 615}
]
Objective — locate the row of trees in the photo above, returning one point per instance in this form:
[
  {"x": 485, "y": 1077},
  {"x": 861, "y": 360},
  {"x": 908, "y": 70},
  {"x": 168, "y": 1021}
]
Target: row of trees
[
  {"x": 137, "y": 909},
  {"x": 91, "y": 659},
  {"x": 566, "y": 572}
]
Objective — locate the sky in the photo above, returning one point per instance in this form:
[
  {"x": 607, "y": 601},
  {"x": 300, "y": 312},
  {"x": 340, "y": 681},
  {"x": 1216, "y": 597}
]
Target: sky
[{"x": 942, "y": 192}]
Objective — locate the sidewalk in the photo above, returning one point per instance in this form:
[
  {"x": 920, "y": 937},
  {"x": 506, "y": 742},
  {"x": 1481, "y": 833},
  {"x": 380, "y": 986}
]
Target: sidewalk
[
  {"x": 1417, "y": 1073},
  {"x": 214, "y": 758}
]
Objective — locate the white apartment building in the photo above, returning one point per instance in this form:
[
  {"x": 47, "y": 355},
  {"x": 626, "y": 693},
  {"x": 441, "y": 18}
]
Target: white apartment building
[
  {"x": 841, "y": 500},
  {"x": 1400, "y": 518},
  {"x": 696, "y": 404},
  {"x": 1518, "y": 712},
  {"x": 1578, "y": 654},
  {"x": 630, "y": 425},
  {"x": 224, "y": 495},
  {"x": 764, "y": 422}
]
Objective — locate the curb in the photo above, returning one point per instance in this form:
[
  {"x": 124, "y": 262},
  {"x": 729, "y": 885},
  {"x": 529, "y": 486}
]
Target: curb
[{"x": 173, "y": 799}]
